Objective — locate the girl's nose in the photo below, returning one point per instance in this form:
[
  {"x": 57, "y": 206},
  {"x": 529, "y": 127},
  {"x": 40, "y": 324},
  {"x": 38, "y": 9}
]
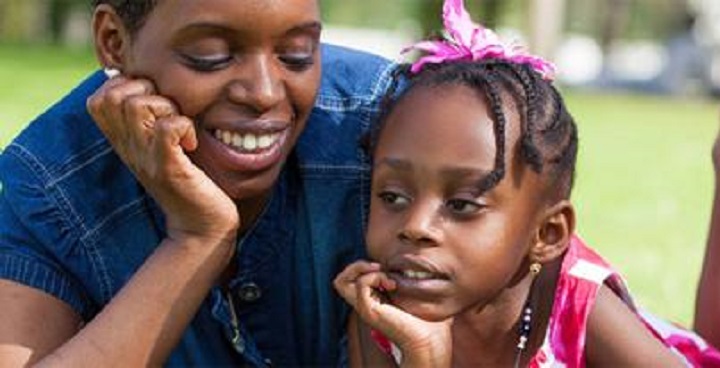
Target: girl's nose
[
  {"x": 259, "y": 84},
  {"x": 421, "y": 226}
]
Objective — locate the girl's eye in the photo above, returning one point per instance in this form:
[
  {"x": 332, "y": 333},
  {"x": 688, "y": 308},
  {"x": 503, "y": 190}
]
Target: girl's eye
[
  {"x": 207, "y": 64},
  {"x": 393, "y": 200},
  {"x": 298, "y": 62},
  {"x": 463, "y": 206}
]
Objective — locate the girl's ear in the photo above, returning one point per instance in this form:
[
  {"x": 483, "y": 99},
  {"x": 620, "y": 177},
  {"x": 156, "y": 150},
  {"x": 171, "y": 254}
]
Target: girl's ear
[
  {"x": 111, "y": 37},
  {"x": 553, "y": 234}
]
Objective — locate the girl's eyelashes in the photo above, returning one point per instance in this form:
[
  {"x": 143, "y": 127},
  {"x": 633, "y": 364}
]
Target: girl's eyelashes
[
  {"x": 206, "y": 63},
  {"x": 393, "y": 199},
  {"x": 463, "y": 207}
]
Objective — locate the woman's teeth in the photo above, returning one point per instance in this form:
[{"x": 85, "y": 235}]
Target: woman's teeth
[{"x": 246, "y": 142}]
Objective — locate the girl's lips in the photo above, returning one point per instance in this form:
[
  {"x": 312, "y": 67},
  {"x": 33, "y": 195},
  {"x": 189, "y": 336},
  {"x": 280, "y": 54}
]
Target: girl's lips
[
  {"x": 416, "y": 275},
  {"x": 415, "y": 266},
  {"x": 418, "y": 288},
  {"x": 234, "y": 153}
]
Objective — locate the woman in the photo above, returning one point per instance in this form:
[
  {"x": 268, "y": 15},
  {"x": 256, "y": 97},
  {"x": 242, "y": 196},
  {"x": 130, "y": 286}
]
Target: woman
[{"x": 219, "y": 244}]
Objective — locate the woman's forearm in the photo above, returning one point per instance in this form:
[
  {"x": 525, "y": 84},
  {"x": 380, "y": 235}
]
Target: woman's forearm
[{"x": 145, "y": 320}]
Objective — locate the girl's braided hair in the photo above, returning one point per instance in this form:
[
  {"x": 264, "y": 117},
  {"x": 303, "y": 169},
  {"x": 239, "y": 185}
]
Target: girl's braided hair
[
  {"x": 548, "y": 139},
  {"x": 132, "y": 12}
]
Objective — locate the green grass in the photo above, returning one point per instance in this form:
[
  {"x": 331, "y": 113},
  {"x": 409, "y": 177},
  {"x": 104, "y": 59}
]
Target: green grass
[
  {"x": 644, "y": 191},
  {"x": 643, "y": 187},
  {"x": 34, "y": 77}
]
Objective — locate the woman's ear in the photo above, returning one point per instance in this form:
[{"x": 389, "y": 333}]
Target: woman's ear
[
  {"x": 554, "y": 232},
  {"x": 111, "y": 37}
]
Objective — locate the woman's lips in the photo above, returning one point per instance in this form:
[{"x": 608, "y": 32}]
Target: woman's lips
[{"x": 247, "y": 150}]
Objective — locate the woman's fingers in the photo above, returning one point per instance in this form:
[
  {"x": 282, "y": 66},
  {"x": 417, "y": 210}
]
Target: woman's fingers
[{"x": 107, "y": 104}]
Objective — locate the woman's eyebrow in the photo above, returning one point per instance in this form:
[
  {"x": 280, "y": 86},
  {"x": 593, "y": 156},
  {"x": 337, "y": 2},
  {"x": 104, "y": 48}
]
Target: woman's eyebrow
[
  {"x": 312, "y": 26},
  {"x": 212, "y": 27}
]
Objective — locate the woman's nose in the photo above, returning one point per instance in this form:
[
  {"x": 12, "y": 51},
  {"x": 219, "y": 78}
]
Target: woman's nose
[{"x": 259, "y": 85}]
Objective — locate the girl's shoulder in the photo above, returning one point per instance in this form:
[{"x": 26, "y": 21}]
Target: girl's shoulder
[{"x": 583, "y": 274}]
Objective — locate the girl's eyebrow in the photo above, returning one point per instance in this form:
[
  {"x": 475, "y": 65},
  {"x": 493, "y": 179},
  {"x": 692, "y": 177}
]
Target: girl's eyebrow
[
  {"x": 456, "y": 173},
  {"x": 451, "y": 171},
  {"x": 395, "y": 163}
]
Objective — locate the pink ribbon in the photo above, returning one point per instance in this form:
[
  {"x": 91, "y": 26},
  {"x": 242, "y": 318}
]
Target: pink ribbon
[{"x": 466, "y": 40}]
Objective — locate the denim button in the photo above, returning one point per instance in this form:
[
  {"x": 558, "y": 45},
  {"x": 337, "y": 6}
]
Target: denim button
[{"x": 249, "y": 292}]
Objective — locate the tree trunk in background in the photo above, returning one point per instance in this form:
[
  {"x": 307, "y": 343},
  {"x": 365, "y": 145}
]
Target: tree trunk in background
[
  {"x": 614, "y": 16},
  {"x": 486, "y": 12},
  {"x": 23, "y": 20},
  {"x": 547, "y": 20}
]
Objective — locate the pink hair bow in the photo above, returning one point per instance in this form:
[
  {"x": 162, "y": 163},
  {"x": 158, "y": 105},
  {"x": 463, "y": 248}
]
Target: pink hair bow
[{"x": 465, "y": 40}]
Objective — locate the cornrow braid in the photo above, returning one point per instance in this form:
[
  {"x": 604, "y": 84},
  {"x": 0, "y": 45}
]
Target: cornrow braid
[
  {"x": 132, "y": 12},
  {"x": 548, "y": 134}
]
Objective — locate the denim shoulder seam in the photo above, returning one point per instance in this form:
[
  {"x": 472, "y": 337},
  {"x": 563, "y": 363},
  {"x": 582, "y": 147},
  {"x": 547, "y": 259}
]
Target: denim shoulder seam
[
  {"x": 384, "y": 81},
  {"x": 60, "y": 198},
  {"x": 67, "y": 214},
  {"x": 356, "y": 102},
  {"x": 70, "y": 168}
]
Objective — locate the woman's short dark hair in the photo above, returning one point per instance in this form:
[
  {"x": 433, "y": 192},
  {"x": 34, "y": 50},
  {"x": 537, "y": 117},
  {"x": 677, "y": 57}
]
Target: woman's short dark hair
[{"x": 132, "y": 12}]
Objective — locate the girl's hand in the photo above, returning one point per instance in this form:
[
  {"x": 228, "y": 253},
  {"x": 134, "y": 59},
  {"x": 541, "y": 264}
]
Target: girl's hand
[
  {"x": 151, "y": 137},
  {"x": 364, "y": 286}
]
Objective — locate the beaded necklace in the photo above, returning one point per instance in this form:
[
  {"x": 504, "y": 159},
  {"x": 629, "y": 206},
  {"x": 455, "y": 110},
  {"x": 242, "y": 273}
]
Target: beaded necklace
[{"x": 525, "y": 326}]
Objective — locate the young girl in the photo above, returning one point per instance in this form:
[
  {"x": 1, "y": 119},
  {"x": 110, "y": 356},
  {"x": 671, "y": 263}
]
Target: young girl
[
  {"x": 471, "y": 228},
  {"x": 203, "y": 223}
]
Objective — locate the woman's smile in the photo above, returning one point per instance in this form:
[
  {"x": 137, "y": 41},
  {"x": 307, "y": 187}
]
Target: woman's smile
[{"x": 254, "y": 146}]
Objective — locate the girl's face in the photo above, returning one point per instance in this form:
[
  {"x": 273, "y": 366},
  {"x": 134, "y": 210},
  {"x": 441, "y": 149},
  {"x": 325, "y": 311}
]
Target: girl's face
[
  {"x": 247, "y": 72},
  {"x": 448, "y": 246}
]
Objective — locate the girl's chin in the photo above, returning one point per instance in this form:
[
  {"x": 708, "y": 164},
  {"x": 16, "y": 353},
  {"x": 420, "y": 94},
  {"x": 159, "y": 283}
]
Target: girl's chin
[{"x": 431, "y": 312}]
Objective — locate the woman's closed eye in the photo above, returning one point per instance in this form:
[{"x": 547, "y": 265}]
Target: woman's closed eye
[
  {"x": 208, "y": 63},
  {"x": 298, "y": 61}
]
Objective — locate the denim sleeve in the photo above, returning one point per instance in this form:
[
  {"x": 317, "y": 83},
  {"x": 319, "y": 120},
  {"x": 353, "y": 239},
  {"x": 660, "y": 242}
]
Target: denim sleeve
[{"x": 33, "y": 233}]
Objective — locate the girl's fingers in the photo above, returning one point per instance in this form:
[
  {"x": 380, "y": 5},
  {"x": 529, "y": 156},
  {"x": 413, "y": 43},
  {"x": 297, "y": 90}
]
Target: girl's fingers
[
  {"x": 369, "y": 293},
  {"x": 355, "y": 270},
  {"x": 345, "y": 282}
]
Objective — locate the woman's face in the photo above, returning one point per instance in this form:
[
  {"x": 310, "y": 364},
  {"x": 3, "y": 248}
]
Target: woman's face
[{"x": 246, "y": 71}]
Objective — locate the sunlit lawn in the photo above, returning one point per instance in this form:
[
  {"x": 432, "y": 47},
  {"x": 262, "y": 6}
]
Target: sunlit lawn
[{"x": 643, "y": 186}]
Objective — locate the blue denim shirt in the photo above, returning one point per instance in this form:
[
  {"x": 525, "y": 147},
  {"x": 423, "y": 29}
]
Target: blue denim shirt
[{"x": 76, "y": 224}]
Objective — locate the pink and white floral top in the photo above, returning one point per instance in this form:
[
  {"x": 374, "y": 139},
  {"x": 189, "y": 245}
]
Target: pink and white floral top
[{"x": 582, "y": 274}]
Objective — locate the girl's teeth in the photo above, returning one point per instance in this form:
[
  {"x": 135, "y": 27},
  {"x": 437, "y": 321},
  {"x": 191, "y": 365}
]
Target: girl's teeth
[
  {"x": 418, "y": 275},
  {"x": 248, "y": 142}
]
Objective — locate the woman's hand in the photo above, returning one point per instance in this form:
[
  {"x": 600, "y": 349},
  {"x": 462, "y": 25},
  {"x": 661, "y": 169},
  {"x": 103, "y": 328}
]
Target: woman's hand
[
  {"x": 423, "y": 343},
  {"x": 151, "y": 137}
]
